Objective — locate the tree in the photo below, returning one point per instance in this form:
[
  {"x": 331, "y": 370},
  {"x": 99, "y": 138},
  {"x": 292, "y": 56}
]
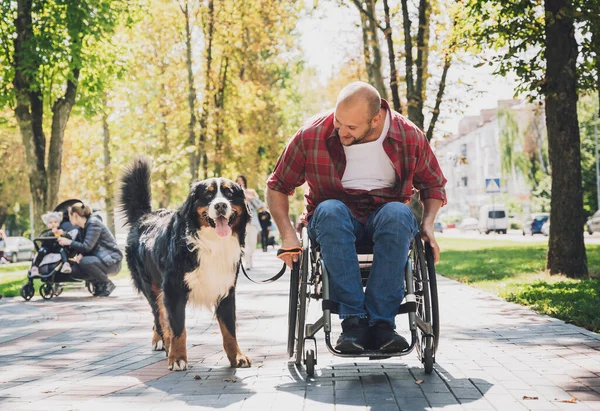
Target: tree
[
  {"x": 13, "y": 169},
  {"x": 417, "y": 71},
  {"x": 371, "y": 47},
  {"x": 538, "y": 43},
  {"x": 43, "y": 66}
]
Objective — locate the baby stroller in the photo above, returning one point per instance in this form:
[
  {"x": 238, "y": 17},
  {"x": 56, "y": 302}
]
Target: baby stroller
[{"x": 53, "y": 280}]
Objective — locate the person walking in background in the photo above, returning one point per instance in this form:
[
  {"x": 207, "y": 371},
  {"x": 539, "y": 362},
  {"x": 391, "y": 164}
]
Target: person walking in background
[
  {"x": 100, "y": 255},
  {"x": 265, "y": 224},
  {"x": 254, "y": 227}
]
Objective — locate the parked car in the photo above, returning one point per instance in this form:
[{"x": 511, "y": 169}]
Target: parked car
[
  {"x": 18, "y": 248},
  {"x": 593, "y": 223},
  {"x": 469, "y": 223},
  {"x": 437, "y": 226},
  {"x": 533, "y": 224},
  {"x": 546, "y": 228},
  {"x": 493, "y": 217}
]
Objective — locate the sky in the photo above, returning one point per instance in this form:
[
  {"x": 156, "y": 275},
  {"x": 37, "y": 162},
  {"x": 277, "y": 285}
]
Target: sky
[{"x": 332, "y": 33}]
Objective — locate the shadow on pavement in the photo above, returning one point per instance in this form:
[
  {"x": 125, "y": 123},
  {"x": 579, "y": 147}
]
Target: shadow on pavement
[{"x": 382, "y": 386}]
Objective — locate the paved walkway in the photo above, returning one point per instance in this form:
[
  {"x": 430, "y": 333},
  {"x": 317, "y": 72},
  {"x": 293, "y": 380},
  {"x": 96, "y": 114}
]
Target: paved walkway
[{"x": 77, "y": 352}]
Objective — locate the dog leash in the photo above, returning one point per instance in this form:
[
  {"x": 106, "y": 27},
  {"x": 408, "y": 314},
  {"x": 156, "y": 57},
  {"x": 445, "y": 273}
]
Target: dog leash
[{"x": 280, "y": 252}]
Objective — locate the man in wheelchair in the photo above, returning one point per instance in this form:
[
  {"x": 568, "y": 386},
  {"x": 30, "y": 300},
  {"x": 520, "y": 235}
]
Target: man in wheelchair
[{"x": 361, "y": 162}]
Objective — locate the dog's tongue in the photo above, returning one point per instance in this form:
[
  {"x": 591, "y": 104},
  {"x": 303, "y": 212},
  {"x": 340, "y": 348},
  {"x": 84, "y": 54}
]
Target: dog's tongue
[{"x": 222, "y": 227}]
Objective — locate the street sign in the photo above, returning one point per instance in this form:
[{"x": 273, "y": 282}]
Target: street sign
[{"x": 492, "y": 185}]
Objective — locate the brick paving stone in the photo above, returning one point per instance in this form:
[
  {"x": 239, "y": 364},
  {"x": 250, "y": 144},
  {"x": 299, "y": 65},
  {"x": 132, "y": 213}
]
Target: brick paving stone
[{"x": 86, "y": 353}]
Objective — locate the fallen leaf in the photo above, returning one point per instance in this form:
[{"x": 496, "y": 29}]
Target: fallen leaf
[
  {"x": 571, "y": 401},
  {"x": 64, "y": 346},
  {"x": 230, "y": 379},
  {"x": 214, "y": 332},
  {"x": 197, "y": 377},
  {"x": 35, "y": 321},
  {"x": 48, "y": 392},
  {"x": 419, "y": 382},
  {"x": 114, "y": 332},
  {"x": 527, "y": 397}
]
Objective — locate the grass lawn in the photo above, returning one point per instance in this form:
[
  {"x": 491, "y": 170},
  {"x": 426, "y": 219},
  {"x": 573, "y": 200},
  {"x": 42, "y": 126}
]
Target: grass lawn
[
  {"x": 515, "y": 271},
  {"x": 14, "y": 276}
]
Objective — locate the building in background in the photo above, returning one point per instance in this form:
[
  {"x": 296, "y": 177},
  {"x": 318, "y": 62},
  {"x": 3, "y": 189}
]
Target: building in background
[{"x": 475, "y": 155}]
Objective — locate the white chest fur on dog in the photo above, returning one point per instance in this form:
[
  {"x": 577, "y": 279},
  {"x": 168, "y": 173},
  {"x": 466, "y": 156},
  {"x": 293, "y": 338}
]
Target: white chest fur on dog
[{"x": 217, "y": 262}]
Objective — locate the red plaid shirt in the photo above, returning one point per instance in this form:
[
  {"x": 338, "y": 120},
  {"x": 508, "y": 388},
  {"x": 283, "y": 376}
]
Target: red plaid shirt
[{"x": 315, "y": 155}]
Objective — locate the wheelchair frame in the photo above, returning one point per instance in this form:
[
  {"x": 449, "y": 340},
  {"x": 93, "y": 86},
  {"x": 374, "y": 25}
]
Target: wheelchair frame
[{"x": 309, "y": 280}]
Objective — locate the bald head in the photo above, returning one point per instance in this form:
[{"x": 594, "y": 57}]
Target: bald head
[{"x": 359, "y": 92}]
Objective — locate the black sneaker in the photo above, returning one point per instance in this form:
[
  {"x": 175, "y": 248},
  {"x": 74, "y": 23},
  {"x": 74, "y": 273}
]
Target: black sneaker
[
  {"x": 106, "y": 289},
  {"x": 354, "y": 337},
  {"x": 385, "y": 339}
]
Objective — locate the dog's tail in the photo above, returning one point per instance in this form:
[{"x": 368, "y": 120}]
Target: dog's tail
[{"x": 136, "y": 196}]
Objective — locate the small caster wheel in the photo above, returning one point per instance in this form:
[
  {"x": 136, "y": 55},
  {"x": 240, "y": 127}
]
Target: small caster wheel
[
  {"x": 27, "y": 291},
  {"x": 46, "y": 291},
  {"x": 428, "y": 360},
  {"x": 310, "y": 362},
  {"x": 90, "y": 286}
]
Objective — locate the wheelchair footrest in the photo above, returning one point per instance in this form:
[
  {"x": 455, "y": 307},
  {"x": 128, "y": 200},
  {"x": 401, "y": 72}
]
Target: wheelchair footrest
[{"x": 407, "y": 307}]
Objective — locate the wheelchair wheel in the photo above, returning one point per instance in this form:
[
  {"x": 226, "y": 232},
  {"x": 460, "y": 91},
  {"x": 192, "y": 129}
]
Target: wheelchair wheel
[
  {"x": 427, "y": 303},
  {"x": 302, "y": 299},
  {"x": 435, "y": 309},
  {"x": 292, "y": 308},
  {"x": 297, "y": 303}
]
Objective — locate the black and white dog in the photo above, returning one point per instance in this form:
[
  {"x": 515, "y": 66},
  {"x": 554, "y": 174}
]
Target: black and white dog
[{"x": 189, "y": 254}]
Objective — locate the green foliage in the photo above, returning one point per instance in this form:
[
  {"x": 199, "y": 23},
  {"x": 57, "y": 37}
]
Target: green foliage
[
  {"x": 68, "y": 35},
  {"x": 515, "y": 270},
  {"x": 514, "y": 30},
  {"x": 510, "y": 139},
  {"x": 588, "y": 111},
  {"x": 575, "y": 302}
]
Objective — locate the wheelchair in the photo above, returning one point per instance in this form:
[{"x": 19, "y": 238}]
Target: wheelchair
[{"x": 309, "y": 280}]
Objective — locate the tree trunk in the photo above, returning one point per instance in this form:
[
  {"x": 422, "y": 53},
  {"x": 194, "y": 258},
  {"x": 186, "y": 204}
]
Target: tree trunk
[
  {"x": 29, "y": 111},
  {"x": 439, "y": 97},
  {"x": 412, "y": 103},
  {"x": 164, "y": 190},
  {"x": 422, "y": 63},
  {"x": 220, "y": 109},
  {"x": 207, "y": 91},
  {"x": 566, "y": 249},
  {"x": 61, "y": 111},
  {"x": 108, "y": 175},
  {"x": 192, "y": 143},
  {"x": 371, "y": 48},
  {"x": 392, "y": 59}
]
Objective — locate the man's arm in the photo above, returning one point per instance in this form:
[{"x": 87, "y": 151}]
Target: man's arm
[
  {"x": 279, "y": 205},
  {"x": 431, "y": 206}
]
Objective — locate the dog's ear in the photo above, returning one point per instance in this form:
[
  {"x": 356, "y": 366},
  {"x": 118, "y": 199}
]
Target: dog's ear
[{"x": 188, "y": 208}]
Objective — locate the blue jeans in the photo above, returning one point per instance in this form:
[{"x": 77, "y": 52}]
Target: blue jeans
[{"x": 391, "y": 228}]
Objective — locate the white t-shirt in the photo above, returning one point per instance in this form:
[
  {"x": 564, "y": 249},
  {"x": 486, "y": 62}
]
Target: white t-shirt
[{"x": 367, "y": 164}]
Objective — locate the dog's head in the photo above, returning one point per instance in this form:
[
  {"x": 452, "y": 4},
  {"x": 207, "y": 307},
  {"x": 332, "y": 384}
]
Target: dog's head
[{"x": 218, "y": 204}]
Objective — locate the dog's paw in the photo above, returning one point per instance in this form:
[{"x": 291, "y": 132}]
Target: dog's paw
[
  {"x": 158, "y": 346},
  {"x": 179, "y": 365},
  {"x": 242, "y": 361}
]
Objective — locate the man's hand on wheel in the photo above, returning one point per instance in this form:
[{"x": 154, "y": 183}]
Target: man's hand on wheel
[{"x": 427, "y": 234}]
